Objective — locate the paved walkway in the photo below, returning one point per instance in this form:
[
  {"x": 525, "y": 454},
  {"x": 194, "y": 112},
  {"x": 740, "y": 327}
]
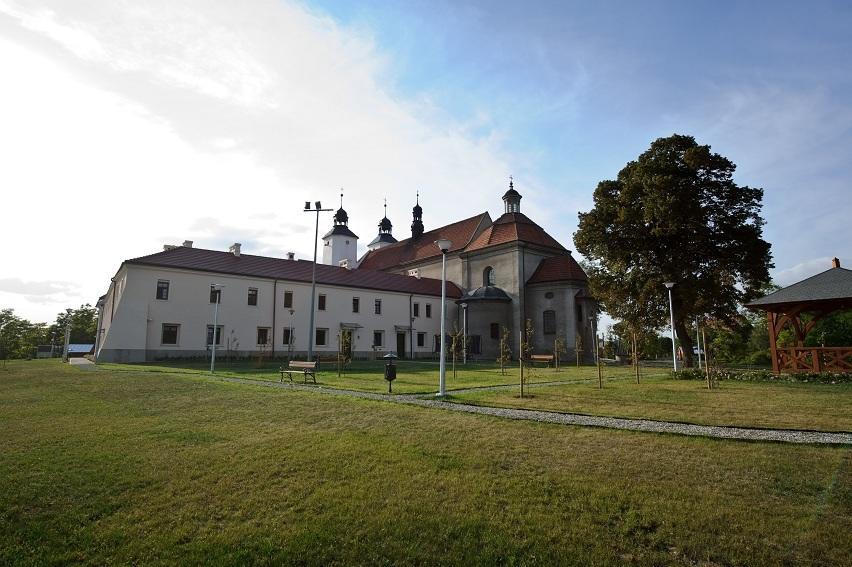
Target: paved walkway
[
  {"x": 82, "y": 363},
  {"x": 743, "y": 433}
]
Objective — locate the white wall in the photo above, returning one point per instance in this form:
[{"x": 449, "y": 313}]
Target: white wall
[{"x": 136, "y": 329}]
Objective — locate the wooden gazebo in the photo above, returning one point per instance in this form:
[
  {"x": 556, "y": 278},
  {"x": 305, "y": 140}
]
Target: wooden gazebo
[{"x": 813, "y": 298}]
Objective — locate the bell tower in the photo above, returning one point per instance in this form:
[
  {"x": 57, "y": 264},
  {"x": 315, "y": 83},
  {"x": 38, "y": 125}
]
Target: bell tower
[
  {"x": 417, "y": 224},
  {"x": 340, "y": 243},
  {"x": 385, "y": 228}
]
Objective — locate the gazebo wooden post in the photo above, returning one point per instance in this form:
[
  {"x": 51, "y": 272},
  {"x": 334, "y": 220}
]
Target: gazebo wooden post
[{"x": 773, "y": 341}]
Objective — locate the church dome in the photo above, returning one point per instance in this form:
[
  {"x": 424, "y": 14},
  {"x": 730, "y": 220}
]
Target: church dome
[
  {"x": 340, "y": 217},
  {"x": 385, "y": 225}
]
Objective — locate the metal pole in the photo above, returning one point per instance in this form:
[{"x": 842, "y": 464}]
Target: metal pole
[
  {"x": 464, "y": 333},
  {"x": 215, "y": 329},
  {"x": 671, "y": 313},
  {"x": 313, "y": 292},
  {"x": 442, "y": 371},
  {"x": 317, "y": 210}
]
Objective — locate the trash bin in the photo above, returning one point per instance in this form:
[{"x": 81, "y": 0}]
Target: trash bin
[{"x": 390, "y": 373}]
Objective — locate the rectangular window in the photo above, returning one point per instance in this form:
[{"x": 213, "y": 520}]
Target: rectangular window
[
  {"x": 579, "y": 312},
  {"x": 495, "y": 330},
  {"x": 321, "y": 338},
  {"x": 321, "y": 302},
  {"x": 286, "y": 335},
  {"x": 252, "y": 296},
  {"x": 170, "y": 334},
  {"x": 417, "y": 310},
  {"x": 475, "y": 344},
  {"x": 436, "y": 344},
  {"x": 428, "y": 310},
  {"x": 549, "y": 320},
  {"x": 421, "y": 339},
  {"x": 288, "y": 299},
  {"x": 215, "y": 295},
  {"x": 162, "y": 289},
  {"x": 262, "y": 335},
  {"x": 378, "y": 307},
  {"x": 378, "y": 338},
  {"x": 356, "y": 304},
  {"x": 210, "y": 335}
]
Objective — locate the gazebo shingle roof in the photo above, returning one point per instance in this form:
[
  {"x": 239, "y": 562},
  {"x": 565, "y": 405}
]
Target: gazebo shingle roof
[{"x": 831, "y": 285}]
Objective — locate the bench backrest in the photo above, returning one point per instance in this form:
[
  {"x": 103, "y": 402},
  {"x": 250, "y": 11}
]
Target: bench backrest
[
  {"x": 542, "y": 357},
  {"x": 303, "y": 364}
]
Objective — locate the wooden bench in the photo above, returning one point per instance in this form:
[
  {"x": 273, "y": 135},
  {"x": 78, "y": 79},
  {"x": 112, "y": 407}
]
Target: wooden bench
[
  {"x": 546, "y": 358},
  {"x": 300, "y": 366}
]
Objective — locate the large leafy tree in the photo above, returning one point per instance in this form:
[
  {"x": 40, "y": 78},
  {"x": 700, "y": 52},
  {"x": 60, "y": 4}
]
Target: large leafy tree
[
  {"x": 83, "y": 321},
  {"x": 675, "y": 214}
]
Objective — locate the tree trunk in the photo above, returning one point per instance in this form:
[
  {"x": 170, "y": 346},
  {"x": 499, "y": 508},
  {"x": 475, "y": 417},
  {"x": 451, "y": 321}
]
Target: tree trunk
[{"x": 686, "y": 343}]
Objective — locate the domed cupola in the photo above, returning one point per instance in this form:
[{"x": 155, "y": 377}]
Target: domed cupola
[
  {"x": 512, "y": 198},
  {"x": 340, "y": 217},
  {"x": 417, "y": 225},
  {"x": 385, "y": 237}
]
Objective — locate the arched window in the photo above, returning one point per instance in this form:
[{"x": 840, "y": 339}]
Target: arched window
[
  {"x": 549, "y": 320},
  {"x": 488, "y": 276}
]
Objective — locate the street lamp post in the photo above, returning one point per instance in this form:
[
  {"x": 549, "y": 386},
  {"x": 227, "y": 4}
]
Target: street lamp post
[
  {"x": 290, "y": 338},
  {"x": 444, "y": 245},
  {"x": 669, "y": 286},
  {"x": 217, "y": 289},
  {"x": 316, "y": 210},
  {"x": 464, "y": 333}
]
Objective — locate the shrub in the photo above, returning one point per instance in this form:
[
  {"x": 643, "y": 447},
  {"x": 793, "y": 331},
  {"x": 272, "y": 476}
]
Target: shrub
[{"x": 764, "y": 376}]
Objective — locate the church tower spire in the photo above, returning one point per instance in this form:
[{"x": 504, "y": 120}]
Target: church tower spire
[
  {"x": 340, "y": 243},
  {"x": 417, "y": 225},
  {"x": 385, "y": 228},
  {"x": 512, "y": 198}
]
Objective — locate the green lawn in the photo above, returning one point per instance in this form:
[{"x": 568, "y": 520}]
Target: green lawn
[
  {"x": 824, "y": 407},
  {"x": 413, "y": 377},
  {"x": 147, "y": 467}
]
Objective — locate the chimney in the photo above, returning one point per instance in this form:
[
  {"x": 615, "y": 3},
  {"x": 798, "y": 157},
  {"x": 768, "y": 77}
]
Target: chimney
[
  {"x": 187, "y": 243},
  {"x": 344, "y": 263},
  {"x": 415, "y": 273},
  {"x": 167, "y": 247},
  {"x": 291, "y": 255},
  {"x": 235, "y": 249},
  {"x": 835, "y": 263}
]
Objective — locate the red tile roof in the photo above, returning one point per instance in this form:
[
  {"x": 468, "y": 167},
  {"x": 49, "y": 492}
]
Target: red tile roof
[
  {"x": 406, "y": 251},
  {"x": 558, "y": 269},
  {"x": 291, "y": 270},
  {"x": 513, "y": 227}
]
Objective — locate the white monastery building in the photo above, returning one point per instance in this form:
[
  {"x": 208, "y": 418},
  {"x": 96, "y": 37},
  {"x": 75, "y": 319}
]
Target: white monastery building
[{"x": 500, "y": 273}]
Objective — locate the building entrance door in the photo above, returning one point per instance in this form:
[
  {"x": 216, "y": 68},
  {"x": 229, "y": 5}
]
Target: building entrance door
[{"x": 400, "y": 345}]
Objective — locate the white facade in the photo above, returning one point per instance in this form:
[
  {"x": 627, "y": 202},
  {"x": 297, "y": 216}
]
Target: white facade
[
  {"x": 135, "y": 325},
  {"x": 339, "y": 247}
]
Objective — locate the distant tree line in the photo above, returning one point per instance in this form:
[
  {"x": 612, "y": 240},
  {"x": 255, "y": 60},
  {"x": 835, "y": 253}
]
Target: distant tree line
[{"x": 20, "y": 337}]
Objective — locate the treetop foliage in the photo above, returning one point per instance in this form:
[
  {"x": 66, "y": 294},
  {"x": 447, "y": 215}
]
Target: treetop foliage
[{"x": 674, "y": 214}]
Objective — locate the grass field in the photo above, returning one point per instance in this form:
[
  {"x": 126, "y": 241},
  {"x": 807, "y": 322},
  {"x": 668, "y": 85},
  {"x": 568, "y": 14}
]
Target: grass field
[
  {"x": 823, "y": 407},
  {"x": 151, "y": 467},
  {"x": 413, "y": 377}
]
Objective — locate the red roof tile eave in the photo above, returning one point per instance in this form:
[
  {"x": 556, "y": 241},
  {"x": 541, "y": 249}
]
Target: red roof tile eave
[{"x": 453, "y": 291}]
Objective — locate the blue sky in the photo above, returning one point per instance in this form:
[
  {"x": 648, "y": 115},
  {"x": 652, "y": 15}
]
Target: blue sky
[{"x": 214, "y": 121}]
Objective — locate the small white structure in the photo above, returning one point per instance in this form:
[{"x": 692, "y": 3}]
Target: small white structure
[{"x": 340, "y": 245}]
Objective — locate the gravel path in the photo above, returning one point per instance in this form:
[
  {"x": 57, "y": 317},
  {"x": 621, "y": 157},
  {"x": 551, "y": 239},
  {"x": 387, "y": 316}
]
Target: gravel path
[{"x": 720, "y": 432}]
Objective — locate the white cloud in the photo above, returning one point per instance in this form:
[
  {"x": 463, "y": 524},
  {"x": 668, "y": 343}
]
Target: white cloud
[
  {"x": 801, "y": 271},
  {"x": 125, "y": 123}
]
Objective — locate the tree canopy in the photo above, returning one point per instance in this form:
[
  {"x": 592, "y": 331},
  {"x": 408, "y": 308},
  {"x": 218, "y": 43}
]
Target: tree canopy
[{"x": 675, "y": 214}]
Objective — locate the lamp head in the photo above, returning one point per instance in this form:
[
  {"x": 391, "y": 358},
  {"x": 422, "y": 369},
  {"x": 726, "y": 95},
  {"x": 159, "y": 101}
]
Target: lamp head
[
  {"x": 318, "y": 204},
  {"x": 307, "y": 205},
  {"x": 464, "y": 305},
  {"x": 669, "y": 285},
  {"x": 444, "y": 245}
]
